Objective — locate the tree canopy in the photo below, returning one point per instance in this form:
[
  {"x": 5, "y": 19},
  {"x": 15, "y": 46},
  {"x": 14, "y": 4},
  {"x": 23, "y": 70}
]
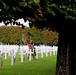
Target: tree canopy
[
  {"x": 13, "y": 35},
  {"x": 41, "y": 12},
  {"x": 59, "y": 15}
]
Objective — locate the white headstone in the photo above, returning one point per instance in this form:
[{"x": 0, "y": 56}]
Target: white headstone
[
  {"x": 37, "y": 54},
  {"x": 55, "y": 48},
  {"x": 5, "y": 54},
  {"x": 50, "y": 48},
  {"x": 0, "y": 59},
  {"x": 30, "y": 54},
  {"x": 0, "y": 55},
  {"x": 22, "y": 53},
  {"x": 42, "y": 51},
  {"x": 46, "y": 53},
  {"x": 37, "y": 51},
  {"x": 12, "y": 57}
]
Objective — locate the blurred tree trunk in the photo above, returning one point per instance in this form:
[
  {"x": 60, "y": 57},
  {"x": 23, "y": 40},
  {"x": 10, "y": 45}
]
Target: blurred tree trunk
[{"x": 66, "y": 54}]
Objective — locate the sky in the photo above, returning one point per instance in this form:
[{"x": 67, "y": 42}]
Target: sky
[{"x": 19, "y": 20}]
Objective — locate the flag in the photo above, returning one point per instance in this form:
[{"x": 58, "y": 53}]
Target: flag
[{"x": 27, "y": 41}]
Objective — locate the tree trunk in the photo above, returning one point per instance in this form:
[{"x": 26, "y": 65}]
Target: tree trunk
[{"x": 66, "y": 54}]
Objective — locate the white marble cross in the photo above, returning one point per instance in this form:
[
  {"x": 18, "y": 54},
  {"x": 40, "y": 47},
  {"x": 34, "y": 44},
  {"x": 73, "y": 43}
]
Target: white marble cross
[
  {"x": 51, "y": 50},
  {"x": 12, "y": 57},
  {"x": 46, "y": 53},
  {"x": 22, "y": 55},
  {"x": 0, "y": 59},
  {"x": 30, "y": 54},
  {"x": 42, "y": 51},
  {"x": 0, "y": 55},
  {"x": 37, "y": 52},
  {"x": 6, "y": 53},
  {"x": 55, "y": 48}
]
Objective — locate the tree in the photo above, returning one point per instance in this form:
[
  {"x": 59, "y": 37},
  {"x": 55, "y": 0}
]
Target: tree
[
  {"x": 10, "y": 35},
  {"x": 59, "y": 15},
  {"x": 49, "y": 37}
]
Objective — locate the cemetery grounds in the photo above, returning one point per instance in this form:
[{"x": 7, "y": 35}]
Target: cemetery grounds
[{"x": 40, "y": 66}]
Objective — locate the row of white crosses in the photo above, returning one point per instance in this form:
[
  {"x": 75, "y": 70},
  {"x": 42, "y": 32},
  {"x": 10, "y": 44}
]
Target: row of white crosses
[
  {"x": 9, "y": 50},
  {"x": 12, "y": 50},
  {"x": 22, "y": 53},
  {"x": 43, "y": 49},
  {"x": 46, "y": 49},
  {"x": 28, "y": 52},
  {"x": 39, "y": 49}
]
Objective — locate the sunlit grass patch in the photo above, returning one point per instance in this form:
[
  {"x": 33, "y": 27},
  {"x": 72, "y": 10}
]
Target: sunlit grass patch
[{"x": 41, "y": 66}]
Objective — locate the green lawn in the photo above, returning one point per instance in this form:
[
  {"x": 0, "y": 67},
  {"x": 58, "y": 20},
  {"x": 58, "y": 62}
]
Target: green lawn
[{"x": 41, "y": 66}]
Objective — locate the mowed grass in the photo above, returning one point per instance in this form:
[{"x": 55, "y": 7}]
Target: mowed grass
[{"x": 40, "y": 66}]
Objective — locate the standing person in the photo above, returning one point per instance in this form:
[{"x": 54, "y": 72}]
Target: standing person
[
  {"x": 30, "y": 45},
  {"x": 33, "y": 49}
]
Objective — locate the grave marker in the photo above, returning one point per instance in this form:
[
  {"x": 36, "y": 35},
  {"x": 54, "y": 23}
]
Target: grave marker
[
  {"x": 30, "y": 54},
  {"x": 1, "y": 63},
  {"x": 22, "y": 55},
  {"x": 37, "y": 52},
  {"x": 12, "y": 57}
]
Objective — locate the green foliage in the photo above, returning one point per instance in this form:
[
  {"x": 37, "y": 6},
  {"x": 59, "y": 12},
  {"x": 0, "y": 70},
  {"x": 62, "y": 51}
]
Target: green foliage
[
  {"x": 13, "y": 35},
  {"x": 23, "y": 4},
  {"x": 40, "y": 11},
  {"x": 36, "y": 1},
  {"x": 10, "y": 35},
  {"x": 49, "y": 37}
]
